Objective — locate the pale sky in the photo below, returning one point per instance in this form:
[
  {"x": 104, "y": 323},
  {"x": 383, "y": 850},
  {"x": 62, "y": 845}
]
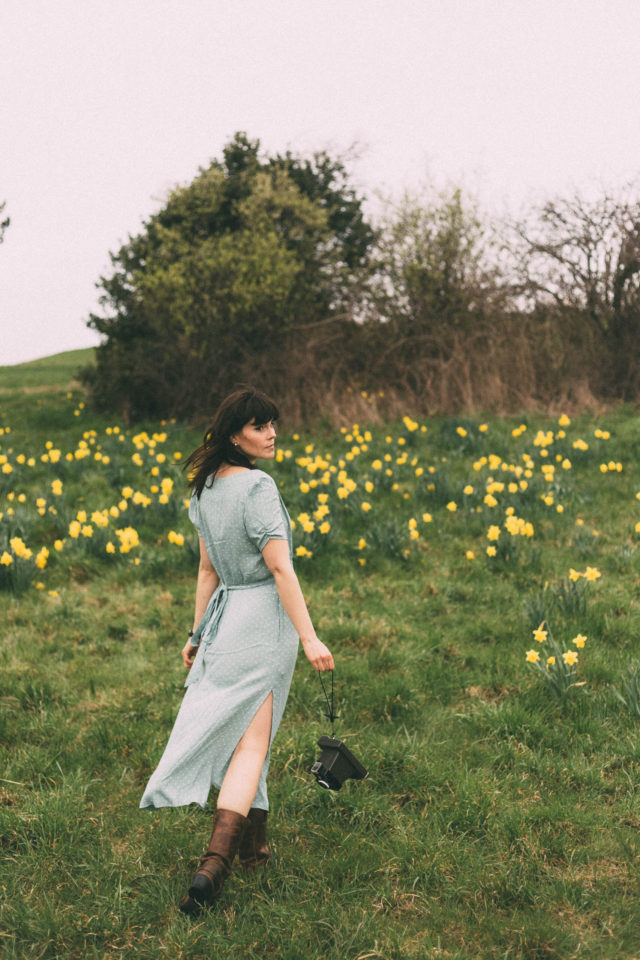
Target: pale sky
[{"x": 105, "y": 104}]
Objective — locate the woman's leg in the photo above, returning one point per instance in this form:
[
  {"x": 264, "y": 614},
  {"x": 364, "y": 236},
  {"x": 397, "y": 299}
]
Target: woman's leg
[
  {"x": 234, "y": 802},
  {"x": 243, "y": 773}
]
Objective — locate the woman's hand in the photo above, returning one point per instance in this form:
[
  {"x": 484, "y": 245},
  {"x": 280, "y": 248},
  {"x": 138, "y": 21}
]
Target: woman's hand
[
  {"x": 318, "y": 655},
  {"x": 188, "y": 654}
]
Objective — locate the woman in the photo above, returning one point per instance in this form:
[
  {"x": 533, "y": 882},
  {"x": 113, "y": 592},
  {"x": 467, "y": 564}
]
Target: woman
[{"x": 249, "y": 613}]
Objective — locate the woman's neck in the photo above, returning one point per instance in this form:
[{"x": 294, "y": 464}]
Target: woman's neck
[{"x": 228, "y": 469}]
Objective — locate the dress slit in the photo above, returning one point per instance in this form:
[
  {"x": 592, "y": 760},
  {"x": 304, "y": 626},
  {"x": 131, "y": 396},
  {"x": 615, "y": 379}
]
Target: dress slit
[
  {"x": 260, "y": 798},
  {"x": 257, "y": 710}
]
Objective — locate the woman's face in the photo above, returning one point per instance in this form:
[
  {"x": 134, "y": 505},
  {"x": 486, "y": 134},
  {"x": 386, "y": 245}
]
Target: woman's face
[{"x": 257, "y": 440}]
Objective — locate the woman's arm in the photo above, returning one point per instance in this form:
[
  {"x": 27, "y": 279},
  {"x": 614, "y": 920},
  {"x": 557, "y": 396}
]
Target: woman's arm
[
  {"x": 276, "y": 557},
  {"x": 207, "y": 582}
]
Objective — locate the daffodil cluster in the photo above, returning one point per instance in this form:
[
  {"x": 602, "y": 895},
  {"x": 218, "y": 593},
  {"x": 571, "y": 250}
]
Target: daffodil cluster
[{"x": 554, "y": 665}]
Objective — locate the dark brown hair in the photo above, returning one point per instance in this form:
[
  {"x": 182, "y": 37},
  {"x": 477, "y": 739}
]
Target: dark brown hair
[{"x": 247, "y": 405}]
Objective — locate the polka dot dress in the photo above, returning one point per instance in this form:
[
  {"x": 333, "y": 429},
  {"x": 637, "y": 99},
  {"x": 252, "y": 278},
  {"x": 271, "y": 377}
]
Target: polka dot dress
[{"x": 248, "y": 645}]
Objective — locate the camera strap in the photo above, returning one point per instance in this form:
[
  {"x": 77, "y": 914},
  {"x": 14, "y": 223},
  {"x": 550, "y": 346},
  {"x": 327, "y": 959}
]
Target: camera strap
[{"x": 331, "y": 716}]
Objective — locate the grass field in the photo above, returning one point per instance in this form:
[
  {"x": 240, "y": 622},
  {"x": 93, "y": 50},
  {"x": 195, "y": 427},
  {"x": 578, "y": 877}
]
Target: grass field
[{"x": 501, "y": 815}]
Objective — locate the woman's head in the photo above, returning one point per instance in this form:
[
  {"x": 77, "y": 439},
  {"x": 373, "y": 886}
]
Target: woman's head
[{"x": 241, "y": 430}]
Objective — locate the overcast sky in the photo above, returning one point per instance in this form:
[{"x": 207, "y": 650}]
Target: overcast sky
[{"x": 105, "y": 104}]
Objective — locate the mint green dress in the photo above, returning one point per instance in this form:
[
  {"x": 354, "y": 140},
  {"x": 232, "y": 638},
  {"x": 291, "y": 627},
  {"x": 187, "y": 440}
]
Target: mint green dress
[{"x": 248, "y": 645}]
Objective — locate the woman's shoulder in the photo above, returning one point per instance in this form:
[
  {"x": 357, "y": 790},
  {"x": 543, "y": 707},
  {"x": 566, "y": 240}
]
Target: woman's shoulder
[
  {"x": 238, "y": 475},
  {"x": 259, "y": 479},
  {"x": 255, "y": 475},
  {"x": 247, "y": 481}
]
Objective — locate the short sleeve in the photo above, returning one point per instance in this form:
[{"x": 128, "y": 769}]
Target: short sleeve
[
  {"x": 194, "y": 513},
  {"x": 263, "y": 516}
]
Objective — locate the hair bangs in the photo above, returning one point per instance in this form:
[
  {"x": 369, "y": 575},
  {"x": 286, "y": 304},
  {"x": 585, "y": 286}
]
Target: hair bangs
[{"x": 259, "y": 408}]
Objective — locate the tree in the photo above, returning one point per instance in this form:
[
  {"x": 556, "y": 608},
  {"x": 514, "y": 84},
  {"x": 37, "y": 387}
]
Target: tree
[
  {"x": 437, "y": 258},
  {"x": 3, "y": 223},
  {"x": 254, "y": 250},
  {"x": 437, "y": 283},
  {"x": 581, "y": 260}
]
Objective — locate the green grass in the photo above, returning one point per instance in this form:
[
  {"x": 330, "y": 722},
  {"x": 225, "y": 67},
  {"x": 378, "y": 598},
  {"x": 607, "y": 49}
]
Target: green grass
[
  {"x": 57, "y": 371},
  {"x": 498, "y": 820}
]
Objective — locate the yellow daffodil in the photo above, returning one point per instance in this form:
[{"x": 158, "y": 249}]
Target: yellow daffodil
[
  {"x": 532, "y": 656},
  {"x": 570, "y": 657},
  {"x": 128, "y": 538},
  {"x": 20, "y": 549},
  {"x": 539, "y": 634}
]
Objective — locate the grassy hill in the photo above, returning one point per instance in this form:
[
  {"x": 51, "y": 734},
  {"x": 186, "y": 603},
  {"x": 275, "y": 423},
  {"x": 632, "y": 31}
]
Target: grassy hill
[
  {"x": 57, "y": 372},
  {"x": 477, "y": 583}
]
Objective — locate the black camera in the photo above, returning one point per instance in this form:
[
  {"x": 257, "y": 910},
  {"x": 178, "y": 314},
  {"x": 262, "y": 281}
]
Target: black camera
[{"x": 336, "y": 764}]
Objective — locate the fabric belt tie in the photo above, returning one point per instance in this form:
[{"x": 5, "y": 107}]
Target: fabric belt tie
[{"x": 205, "y": 632}]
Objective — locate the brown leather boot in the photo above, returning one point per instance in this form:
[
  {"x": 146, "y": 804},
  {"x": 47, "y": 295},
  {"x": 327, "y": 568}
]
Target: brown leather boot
[
  {"x": 253, "y": 850},
  {"x": 215, "y": 864}
]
